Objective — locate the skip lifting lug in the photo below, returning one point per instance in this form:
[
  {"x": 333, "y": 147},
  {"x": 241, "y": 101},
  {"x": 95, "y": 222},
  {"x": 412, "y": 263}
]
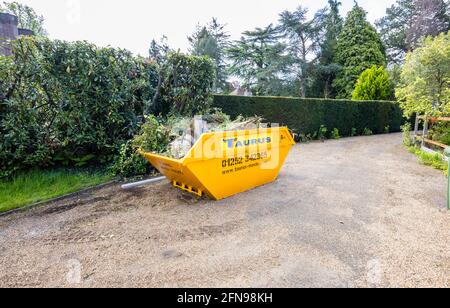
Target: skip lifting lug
[{"x": 188, "y": 188}]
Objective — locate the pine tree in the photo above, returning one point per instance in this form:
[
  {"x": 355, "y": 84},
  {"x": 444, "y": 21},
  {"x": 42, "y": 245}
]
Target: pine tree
[
  {"x": 212, "y": 40},
  {"x": 258, "y": 59},
  {"x": 331, "y": 21},
  {"x": 359, "y": 47}
]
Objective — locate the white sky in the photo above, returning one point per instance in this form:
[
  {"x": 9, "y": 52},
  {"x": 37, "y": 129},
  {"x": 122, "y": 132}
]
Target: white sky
[{"x": 132, "y": 24}]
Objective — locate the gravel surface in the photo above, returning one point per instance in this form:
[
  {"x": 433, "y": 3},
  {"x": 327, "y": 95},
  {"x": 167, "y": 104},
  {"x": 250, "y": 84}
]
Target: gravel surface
[{"x": 351, "y": 213}]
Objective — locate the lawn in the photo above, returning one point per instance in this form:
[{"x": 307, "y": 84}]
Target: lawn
[{"x": 37, "y": 185}]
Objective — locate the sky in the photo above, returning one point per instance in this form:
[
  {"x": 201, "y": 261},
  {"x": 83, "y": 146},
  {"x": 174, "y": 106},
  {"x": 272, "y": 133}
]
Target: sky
[{"x": 132, "y": 24}]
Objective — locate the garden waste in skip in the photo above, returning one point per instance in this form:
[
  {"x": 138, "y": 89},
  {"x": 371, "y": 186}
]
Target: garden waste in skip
[{"x": 221, "y": 164}]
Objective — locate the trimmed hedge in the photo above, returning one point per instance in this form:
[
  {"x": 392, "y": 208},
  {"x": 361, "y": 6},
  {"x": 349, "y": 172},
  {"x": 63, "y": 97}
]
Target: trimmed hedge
[{"x": 307, "y": 115}]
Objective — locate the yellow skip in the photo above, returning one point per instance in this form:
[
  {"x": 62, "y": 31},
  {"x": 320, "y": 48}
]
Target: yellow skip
[{"x": 223, "y": 164}]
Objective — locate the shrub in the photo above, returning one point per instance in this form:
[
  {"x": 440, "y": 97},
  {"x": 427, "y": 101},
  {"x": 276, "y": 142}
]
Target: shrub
[
  {"x": 306, "y": 115},
  {"x": 129, "y": 163},
  {"x": 74, "y": 104},
  {"x": 187, "y": 83},
  {"x": 367, "y": 132},
  {"x": 322, "y": 133},
  {"x": 335, "y": 134},
  {"x": 69, "y": 103},
  {"x": 406, "y": 129},
  {"x": 441, "y": 132},
  {"x": 387, "y": 129},
  {"x": 354, "y": 132},
  {"x": 154, "y": 136},
  {"x": 373, "y": 84}
]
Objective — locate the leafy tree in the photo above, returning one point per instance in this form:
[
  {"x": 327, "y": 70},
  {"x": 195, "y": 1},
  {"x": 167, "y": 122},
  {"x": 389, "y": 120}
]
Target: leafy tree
[
  {"x": 425, "y": 80},
  {"x": 407, "y": 21},
  {"x": 212, "y": 40},
  {"x": 331, "y": 21},
  {"x": 373, "y": 84},
  {"x": 258, "y": 59},
  {"x": 303, "y": 37},
  {"x": 359, "y": 47},
  {"x": 28, "y": 18}
]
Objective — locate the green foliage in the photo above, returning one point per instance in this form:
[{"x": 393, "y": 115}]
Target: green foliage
[
  {"x": 38, "y": 185},
  {"x": 335, "y": 134},
  {"x": 186, "y": 87},
  {"x": 373, "y": 84},
  {"x": 258, "y": 59},
  {"x": 129, "y": 163},
  {"x": 306, "y": 115},
  {"x": 154, "y": 136},
  {"x": 322, "y": 133},
  {"x": 387, "y": 129},
  {"x": 424, "y": 87},
  {"x": 428, "y": 159},
  {"x": 212, "y": 40},
  {"x": 303, "y": 37},
  {"x": 354, "y": 132},
  {"x": 28, "y": 18},
  {"x": 330, "y": 20},
  {"x": 75, "y": 104},
  {"x": 69, "y": 103},
  {"x": 367, "y": 132},
  {"x": 359, "y": 48},
  {"x": 440, "y": 132},
  {"x": 406, "y": 129}
]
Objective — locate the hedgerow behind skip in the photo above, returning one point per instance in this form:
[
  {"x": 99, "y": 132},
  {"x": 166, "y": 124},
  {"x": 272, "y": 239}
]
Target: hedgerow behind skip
[{"x": 75, "y": 104}]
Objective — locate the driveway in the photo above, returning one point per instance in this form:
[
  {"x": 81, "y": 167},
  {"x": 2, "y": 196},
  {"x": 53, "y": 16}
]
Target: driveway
[{"x": 350, "y": 213}]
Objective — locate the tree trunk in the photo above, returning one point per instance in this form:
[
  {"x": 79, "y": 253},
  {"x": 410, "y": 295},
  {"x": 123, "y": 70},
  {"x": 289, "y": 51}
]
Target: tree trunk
[
  {"x": 303, "y": 68},
  {"x": 154, "y": 106},
  {"x": 327, "y": 89},
  {"x": 302, "y": 86}
]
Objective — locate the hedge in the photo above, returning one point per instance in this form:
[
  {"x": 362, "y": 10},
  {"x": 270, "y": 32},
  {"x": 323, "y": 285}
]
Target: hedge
[
  {"x": 73, "y": 103},
  {"x": 306, "y": 116}
]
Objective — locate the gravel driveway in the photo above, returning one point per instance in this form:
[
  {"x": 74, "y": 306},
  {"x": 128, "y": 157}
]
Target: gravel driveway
[{"x": 351, "y": 213}]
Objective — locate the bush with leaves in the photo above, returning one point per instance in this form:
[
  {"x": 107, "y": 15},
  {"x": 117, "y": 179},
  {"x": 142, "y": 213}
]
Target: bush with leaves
[
  {"x": 373, "y": 84},
  {"x": 440, "y": 132},
  {"x": 69, "y": 103},
  {"x": 186, "y": 85},
  {"x": 367, "y": 132},
  {"x": 154, "y": 136},
  {"x": 335, "y": 134},
  {"x": 406, "y": 130},
  {"x": 129, "y": 163}
]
